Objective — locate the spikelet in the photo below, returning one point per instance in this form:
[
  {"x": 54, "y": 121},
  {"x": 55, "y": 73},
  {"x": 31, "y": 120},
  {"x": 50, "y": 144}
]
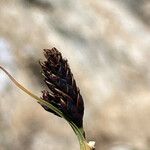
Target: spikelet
[{"x": 63, "y": 92}]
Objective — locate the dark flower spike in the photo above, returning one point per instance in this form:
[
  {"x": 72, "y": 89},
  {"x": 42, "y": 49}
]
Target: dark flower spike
[{"x": 63, "y": 92}]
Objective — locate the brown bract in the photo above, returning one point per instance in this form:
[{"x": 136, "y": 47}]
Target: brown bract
[{"x": 63, "y": 92}]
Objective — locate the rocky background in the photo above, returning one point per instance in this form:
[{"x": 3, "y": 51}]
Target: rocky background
[{"x": 107, "y": 43}]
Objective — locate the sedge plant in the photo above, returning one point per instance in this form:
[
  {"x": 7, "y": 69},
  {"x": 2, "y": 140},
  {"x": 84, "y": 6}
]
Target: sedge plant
[{"x": 63, "y": 98}]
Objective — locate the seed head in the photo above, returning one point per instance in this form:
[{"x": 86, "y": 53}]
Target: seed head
[{"x": 63, "y": 92}]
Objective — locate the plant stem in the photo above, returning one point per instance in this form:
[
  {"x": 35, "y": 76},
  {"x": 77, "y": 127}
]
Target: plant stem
[{"x": 82, "y": 141}]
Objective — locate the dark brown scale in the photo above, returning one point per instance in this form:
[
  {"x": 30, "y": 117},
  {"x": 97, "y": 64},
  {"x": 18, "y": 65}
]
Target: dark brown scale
[{"x": 63, "y": 92}]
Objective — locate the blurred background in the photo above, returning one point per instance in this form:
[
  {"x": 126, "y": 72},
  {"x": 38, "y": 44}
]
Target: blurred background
[{"x": 107, "y": 44}]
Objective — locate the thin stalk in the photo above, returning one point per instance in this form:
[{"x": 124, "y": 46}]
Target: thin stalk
[
  {"x": 78, "y": 132},
  {"x": 82, "y": 141}
]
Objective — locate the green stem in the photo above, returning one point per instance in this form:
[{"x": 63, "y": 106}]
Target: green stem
[
  {"x": 80, "y": 135},
  {"x": 41, "y": 101},
  {"x": 78, "y": 132}
]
